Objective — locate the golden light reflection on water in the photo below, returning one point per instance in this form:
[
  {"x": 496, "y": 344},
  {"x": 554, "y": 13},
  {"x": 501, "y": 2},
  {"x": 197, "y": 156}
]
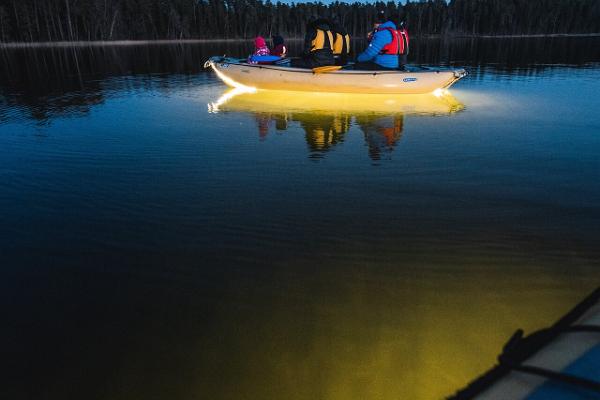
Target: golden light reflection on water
[
  {"x": 242, "y": 99},
  {"x": 392, "y": 322},
  {"x": 377, "y": 333},
  {"x": 326, "y": 118}
]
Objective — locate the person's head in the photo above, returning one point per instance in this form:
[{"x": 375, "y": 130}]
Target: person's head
[
  {"x": 277, "y": 40},
  {"x": 397, "y": 20},
  {"x": 321, "y": 23},
  {"x": 312, "y": 21},
  {"x": 337, "y": 26},
  {"x": 259, "y": 42},
  {"x": 381, "y": 18}
]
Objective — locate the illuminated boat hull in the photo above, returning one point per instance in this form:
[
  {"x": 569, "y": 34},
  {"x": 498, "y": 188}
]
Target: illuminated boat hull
[{"x": 273, "y": 77}]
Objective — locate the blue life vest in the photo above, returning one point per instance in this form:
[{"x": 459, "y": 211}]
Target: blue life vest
[{"x": 264, "y": 59}]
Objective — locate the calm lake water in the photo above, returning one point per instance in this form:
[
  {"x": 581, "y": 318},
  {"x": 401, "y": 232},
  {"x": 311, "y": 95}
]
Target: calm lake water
[{"x": 163, "y": 238}]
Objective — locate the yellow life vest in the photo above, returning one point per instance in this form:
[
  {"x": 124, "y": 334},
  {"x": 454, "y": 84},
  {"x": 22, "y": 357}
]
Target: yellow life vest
[
  {"x": 320, "y": 43},
  {"x": 338, "y": 44}
]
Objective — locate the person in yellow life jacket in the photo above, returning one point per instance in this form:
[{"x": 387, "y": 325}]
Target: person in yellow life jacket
[
  {"x": 341, "y": 43},
  {"x": 318, "y": 45}
]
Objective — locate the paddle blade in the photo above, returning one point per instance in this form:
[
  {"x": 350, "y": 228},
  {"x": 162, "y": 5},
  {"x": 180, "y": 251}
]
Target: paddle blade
[{"x": 327, "y": 68}]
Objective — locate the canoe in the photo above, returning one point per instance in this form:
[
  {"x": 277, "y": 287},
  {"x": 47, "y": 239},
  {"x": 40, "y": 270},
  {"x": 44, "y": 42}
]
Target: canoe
[
  {"x": 235, "y": 72},
  {"x": 559, "y": 362}
]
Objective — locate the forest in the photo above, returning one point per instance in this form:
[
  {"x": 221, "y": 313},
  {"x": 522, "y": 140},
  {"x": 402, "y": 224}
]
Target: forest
[{"x": 82, "y": 20}]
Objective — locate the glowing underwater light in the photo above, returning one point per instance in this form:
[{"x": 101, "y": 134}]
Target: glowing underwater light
[
  {"x": 225, "y": 97},
  {"x": 281, "y": 102},
  {"x": 231, "y": 82},
  {"x": 238, "y": 89},
  {"x": 439, "y": 92}
]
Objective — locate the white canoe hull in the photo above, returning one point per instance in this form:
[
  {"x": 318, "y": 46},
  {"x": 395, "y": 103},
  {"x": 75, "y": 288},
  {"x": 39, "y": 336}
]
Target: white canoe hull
[{"x": 274, "y": 77}]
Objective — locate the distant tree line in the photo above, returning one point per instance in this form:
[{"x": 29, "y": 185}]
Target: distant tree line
[{"x": 67, "y": 20}]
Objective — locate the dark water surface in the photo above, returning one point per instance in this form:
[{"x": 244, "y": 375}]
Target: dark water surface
[{"x": 165, "y": 238}]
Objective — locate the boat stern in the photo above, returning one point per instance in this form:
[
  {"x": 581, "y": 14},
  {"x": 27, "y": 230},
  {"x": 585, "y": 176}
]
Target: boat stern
[{"x": 458, "y": 73}]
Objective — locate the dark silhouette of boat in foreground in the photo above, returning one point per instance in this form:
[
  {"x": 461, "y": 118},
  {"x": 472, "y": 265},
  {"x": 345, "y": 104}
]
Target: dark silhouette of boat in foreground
[{"x": 559, "y": 362}]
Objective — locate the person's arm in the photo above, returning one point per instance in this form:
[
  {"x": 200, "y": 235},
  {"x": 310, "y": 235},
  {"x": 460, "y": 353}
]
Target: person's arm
[
  {"x": 311, "y": 33},
  {"x": 380, "y": 39}
]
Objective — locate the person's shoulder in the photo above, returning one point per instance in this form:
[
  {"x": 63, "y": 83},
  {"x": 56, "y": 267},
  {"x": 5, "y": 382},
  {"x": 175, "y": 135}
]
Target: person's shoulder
[
  {"x": 383, "y": 32},
  {"x": 386, "y": 26}
]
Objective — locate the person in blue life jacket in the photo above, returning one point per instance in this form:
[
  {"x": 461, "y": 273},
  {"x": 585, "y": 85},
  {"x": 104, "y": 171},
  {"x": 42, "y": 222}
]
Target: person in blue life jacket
[{"x": 383, "y": 49}]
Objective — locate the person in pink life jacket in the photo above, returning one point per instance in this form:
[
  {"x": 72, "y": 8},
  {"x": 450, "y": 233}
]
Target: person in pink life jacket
[{"x": 260, "y": 49}]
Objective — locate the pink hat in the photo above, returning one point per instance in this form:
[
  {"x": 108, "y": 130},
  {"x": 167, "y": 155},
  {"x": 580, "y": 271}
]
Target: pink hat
[{"x": 260, "y": 42}]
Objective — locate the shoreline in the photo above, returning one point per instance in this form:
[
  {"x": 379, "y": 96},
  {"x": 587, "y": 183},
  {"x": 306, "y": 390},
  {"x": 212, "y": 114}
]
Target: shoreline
[
  {"x": 534, "y": 35},
  {"x": 83, "y": 43},
  {"x": 86, "y": 43}
]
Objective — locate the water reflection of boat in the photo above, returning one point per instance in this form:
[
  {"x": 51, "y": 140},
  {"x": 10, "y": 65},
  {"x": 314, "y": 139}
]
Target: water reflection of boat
[
  {"x": 381, "y": 133},
  {"x": 323, "y": 131},
  {"x": 241, "y": 99},
  {"x": 326, "y": 118}
]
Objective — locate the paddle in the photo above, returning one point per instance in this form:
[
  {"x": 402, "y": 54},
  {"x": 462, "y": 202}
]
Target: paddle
[{"x": 325, "y": 69}]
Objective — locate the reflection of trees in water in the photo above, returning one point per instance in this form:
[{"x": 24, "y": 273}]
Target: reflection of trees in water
[
  {"x": 49, "y": 82},
  {"x": 323, "y": 132},
  {"x": 76, "y": 103}
]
